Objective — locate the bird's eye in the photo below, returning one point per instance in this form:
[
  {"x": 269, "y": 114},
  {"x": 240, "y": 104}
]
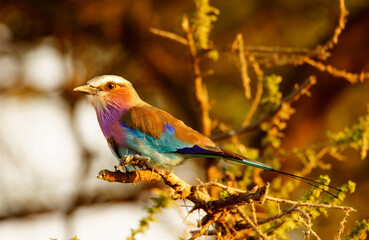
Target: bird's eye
[{"x": 110, "y": 86}]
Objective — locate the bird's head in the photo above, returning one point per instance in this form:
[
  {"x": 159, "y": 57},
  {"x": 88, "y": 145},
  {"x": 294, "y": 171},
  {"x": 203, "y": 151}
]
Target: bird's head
[{"x": 110, "y": 91}]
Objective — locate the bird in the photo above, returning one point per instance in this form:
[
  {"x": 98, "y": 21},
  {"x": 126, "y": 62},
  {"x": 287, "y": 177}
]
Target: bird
[{"x": 134, "y": 127}]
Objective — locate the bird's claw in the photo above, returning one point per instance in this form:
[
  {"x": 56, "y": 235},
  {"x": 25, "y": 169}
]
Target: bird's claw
[{"x": 134, "y": 160}]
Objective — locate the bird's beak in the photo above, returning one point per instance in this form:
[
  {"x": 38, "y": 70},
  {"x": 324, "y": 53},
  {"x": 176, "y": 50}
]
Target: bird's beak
[{"x": 87, "y": 89}]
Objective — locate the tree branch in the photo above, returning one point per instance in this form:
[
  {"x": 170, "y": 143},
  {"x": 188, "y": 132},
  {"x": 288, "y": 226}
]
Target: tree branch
[
  {"x": 185, "y": 191},
  {"x": 217, "y": 210},
  {"x": 201, "y": 93},
  {"x": 220, "y": 210},
  {"x": 129, "y": 177}
]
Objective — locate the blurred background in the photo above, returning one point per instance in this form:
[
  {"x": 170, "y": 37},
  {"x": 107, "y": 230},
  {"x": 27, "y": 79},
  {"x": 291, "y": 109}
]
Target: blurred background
[{"x": 51, "y": 147}]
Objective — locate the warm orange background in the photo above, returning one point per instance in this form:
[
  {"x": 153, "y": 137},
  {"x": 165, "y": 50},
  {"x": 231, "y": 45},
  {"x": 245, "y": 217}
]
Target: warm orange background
[{"x": 50, "y": 144}]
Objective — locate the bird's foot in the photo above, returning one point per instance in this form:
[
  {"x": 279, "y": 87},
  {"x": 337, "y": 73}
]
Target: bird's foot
[
  {"x": 123, "y": 162},
  {"x": 130, "y": 162}
]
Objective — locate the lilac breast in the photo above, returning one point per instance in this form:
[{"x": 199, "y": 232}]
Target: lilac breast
[{"x": 108, "y": 119}]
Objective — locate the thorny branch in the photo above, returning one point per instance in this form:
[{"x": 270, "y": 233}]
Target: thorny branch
[
  {"x": 183, "y": 190},
  {"x": 216, "y": 209},
  {"x": 220, "y": 209}
]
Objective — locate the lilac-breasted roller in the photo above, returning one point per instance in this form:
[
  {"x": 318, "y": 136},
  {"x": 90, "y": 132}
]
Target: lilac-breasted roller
[{"x": 133, "y": 126}]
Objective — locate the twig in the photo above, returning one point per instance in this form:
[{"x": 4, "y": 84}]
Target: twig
[
  {"x": 254, "y": 125},
  {"x": 255, "y": 104},
  {"x": 204, "y": 227},
  {"x": 283, "y": 50},
  {"x": 230, "y": 190},
  {"x": 269, "y": 219},
  {"x": 337, "y": 31},
  {"x": 254, "y": 213},
  {"x": 277, "y": 216},
  {"x": 351, "y": 77},
  {"x": 305, "y": 204},
  {"x": 169, "y": 35},
  {"x": 247, "y": 49},
  {"x": 307, "y": 224},
  {"x": 238, "y": 45},
  {"x": 208, "y": 233},
  {"x": 237, "y": 199},
  {"x": 259, "y": 89},
  {"x": 342, "y": 223},
  {"x": 253, "y": 226},
  {"x": 303, "y": 89},
  {"x": 255, "y": 65}
]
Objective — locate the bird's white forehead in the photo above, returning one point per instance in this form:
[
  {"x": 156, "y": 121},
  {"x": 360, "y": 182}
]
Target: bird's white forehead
[{"x": 101, "y": 80}]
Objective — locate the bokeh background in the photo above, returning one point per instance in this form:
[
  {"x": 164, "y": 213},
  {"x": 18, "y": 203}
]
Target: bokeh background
[{"x": 51, "y": 147}]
